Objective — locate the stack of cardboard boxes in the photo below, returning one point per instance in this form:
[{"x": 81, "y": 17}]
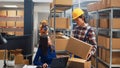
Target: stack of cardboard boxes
[
  {"x": 18, "y": 56},
  {"x": 102, "y": 4},
  {"x": 11, "y": 21},
  {"x": 105, "y": 54},
  {"x": 81, "y": 49}
]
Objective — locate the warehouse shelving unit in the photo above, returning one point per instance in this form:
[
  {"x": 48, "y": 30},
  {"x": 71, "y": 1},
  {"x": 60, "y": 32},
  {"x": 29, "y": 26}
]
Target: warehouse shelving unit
[
  {"x": 6, "y": 20},
  {"x": 110, "y": 13},
  {"x": 62, "y": 9}
]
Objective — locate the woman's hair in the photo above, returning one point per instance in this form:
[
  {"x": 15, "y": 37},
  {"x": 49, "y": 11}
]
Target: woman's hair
[{"x": 43, "y": 44}]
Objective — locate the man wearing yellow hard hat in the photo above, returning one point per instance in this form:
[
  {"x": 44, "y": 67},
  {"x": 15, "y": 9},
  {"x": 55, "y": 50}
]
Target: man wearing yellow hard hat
[{"x": 83, "y": 31}]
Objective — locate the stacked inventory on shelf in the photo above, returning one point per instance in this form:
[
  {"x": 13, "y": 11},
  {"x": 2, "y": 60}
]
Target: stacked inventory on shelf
[
  {"x": 11, "y": 21},
  {"x": 108, "y": 28},
  {"x": 59, "y": 23}
]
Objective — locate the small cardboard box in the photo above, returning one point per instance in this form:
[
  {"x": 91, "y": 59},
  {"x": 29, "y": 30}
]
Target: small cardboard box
[
  {"x": 113, "y": 3},
  {"x": 105, "y": 23},
  {"x": 78, "y": 63},
  {"x": 100, "y": 65},
  {"x": 106, "y": 42},
  {"x": 10, "y": 23},
  {"x": 79, "y": 48},
  {"x": 61, "y": 44},
  {"x": 19, "y": 59},
  {"x": 20, "y": 13},
  {"x": 26, "y": 61},
  {"x": 103, "y": 4},
  {"x": 2, "y": 23},
  {"x": 63, "y": 2},
  {"x": 19, "y": 24},
  {"x": 93, "y": 61},
  {"x": 115, "y": 57},
  {"x": 103, "y": 54},
  {"x": 61, "y": 23},
  {"x": 3, "y": 13},
  {"x": 100, "y": 52},
  {"x": 2, "y": 54},
  {"x": 11, "y": 13},
  {"x": 19, "y": 33}
]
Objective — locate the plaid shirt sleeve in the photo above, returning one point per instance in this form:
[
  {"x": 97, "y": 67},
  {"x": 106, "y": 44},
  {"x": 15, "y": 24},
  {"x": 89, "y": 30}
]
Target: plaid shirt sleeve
[{"x": 92, "y": 40}]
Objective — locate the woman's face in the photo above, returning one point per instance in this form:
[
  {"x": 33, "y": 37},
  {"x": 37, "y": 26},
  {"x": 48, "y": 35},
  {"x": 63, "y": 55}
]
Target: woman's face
[{"x": 79, "y": 21}]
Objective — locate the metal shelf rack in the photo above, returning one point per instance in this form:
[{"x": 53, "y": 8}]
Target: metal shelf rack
[
  {"x": 59, "y": 9},
  {"x": 110, "y": 12}
]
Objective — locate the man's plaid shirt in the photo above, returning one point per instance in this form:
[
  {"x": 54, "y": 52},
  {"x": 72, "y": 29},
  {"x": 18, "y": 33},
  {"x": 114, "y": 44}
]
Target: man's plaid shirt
[{"x": 81, "y": 32}]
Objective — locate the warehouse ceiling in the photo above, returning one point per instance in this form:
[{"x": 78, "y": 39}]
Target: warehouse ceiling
[{"x": 41, "y": 5}]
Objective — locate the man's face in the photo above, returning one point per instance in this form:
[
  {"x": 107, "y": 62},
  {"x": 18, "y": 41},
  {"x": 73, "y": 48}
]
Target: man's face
[{"x": 79, "y": 21}]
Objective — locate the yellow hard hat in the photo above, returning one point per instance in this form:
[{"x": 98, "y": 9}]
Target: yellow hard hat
[
  {"x": 43, "y": 21},
  {"x": 77, "y": 12}
]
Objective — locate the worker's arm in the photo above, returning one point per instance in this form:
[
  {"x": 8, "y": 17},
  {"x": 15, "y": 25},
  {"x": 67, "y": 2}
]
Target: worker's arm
[{"x": 92, "y": 41}]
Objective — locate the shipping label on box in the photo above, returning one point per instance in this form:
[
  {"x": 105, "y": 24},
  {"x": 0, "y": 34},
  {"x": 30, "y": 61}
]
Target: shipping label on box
[{"x": 79, "y": 48}]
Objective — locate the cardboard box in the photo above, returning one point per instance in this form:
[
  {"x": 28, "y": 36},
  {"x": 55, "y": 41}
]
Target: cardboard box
[
  {"x": 63, "y": 2},
  {"x": 10, "y": 23},
  {"x": 61, "y": 23},
  {"x": 115, "y": 57},
  {"x": 20, "y": 13},
  {"x": 113, "y": 3},
  {"x": 61, "y": 44},
  {"x": 19, "y": 33},
  {"x": 2, "y": 54},
  {"x": 100, "y": 52},
  {"x": 105, "y": 41},
  {"x": 103, "y": 54},
  {"x": 57, "y": 10},
  {"x": 10, "y": 33},
  {"x": 104, "y": 23},
  {"x": 3, "y": 13},
  {"x": 91, "y": 23},
  {"x": 19, "y": 59},
  {"x": 11, "y": 13},
  {"x": 2, "y": 23},
  {"x": 19, "y": 24},
  {"x": 93, "y": 61},
  {"x": 78, "y": 63},
  {"x": 116, "y": 23},
  {"x": 103, "y": 4},
  {"x": 79, "y": 48},
  {"x": 26, "y": 61},
  {"x": 100, "y": 65}
]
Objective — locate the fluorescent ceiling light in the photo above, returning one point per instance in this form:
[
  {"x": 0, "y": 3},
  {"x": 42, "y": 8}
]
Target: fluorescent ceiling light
[{"x": 10, "y": 6}]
